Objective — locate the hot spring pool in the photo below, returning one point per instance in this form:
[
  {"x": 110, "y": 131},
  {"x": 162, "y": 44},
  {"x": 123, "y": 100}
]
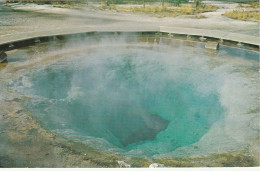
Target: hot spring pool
[{"x": 142, "y": 96}]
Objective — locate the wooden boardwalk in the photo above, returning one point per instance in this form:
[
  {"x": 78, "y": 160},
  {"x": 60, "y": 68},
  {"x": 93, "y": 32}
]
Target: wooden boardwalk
[
  {"x": 235, "y": 37},
  {"x": 223, "y": 36}
]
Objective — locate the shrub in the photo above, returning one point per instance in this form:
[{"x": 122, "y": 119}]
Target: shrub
[{"x": 248, "y": 15}]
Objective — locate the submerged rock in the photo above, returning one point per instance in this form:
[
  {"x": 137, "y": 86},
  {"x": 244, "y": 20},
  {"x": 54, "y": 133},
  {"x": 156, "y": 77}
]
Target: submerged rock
[{"x": 135, "y": 128}]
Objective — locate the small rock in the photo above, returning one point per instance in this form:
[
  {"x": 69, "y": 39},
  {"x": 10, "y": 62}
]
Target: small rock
[
  {"x": 123, "y": 164},
  {"x": 155, "y": 165}
]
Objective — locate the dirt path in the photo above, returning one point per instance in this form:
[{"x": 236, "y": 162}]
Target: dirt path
[{"x": 26, "y": 18}]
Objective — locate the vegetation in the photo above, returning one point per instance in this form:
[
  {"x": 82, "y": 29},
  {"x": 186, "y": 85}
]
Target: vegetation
[
  {"x": 143, "y": 2},
  {"x": 58, "y": 4},
  {"x": 245, "y": 13},
  {"x": 66, "y": 5},
  {"x": 239, "y": 1},
  {"x": 167, "y": 10},
  {"x": 158, "y": 8}
]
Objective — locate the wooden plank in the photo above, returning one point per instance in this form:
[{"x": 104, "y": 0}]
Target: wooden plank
[{"x": 236, "y": 37}]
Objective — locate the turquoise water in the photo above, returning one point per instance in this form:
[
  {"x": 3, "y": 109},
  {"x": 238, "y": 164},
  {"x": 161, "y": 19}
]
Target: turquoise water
[{"x": 127, "y": 98}]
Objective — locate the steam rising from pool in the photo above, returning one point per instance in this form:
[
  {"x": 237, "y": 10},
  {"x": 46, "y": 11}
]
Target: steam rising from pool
[{"x": 140, "y": 97}]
